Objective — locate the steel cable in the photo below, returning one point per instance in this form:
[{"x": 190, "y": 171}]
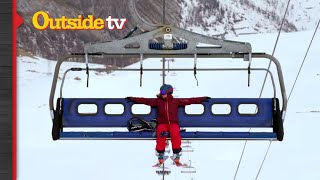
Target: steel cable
[
  {"x": 264, "y": 82},
  {"x": 290, "y": 93}
]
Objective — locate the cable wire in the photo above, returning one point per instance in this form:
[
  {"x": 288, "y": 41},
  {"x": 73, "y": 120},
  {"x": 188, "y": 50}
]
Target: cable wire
[
  {"x": 264, "y": 82},
  {"x": 290, "y": 93},
  {"x": 243, "y": 149},
  {"x": 189, "y": 164},
  {"x": 163, "y": 59},
  {"x": 163, "y": 16},
  {"x": 265, "y": 156},
  {"x": 303, "y": 60}
]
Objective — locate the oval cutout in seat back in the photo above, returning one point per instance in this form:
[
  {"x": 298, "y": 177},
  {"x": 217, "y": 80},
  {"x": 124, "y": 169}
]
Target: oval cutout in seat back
[
  {"x": 194, "y": 109},
  {"x": 87, "y": 109},
  {"x": 114, "y": 109},
  {"x": 140, "y": 109},
  {"x": 251, "y": 109},
  {"x": 221, "y": 109}
]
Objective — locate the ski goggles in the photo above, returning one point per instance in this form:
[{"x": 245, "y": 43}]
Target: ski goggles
[{"x": 163, "y": 92}]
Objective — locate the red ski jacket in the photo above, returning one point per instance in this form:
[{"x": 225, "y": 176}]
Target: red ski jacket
[{"x": 168, "y": 107}]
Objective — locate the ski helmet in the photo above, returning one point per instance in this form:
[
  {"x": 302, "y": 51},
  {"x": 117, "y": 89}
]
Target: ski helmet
[{"x": 166, "y": 89}]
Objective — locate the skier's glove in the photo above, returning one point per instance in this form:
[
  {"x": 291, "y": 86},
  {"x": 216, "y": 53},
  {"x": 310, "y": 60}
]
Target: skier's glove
[{"x": 206, "y": 99}]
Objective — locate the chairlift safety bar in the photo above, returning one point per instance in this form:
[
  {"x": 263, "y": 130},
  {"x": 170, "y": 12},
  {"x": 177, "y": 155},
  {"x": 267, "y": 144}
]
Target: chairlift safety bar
[
  {"x": 238, "y": 55},
  {"x": 180, "y": 69}
]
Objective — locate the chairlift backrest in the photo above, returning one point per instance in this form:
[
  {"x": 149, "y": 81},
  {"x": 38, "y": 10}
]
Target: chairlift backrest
[{"x": 234, "y": 118}]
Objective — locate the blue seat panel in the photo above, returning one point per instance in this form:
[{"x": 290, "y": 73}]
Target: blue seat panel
[
  {"x": 184, "y": 135},
  {"x": 263, "y": 118}
]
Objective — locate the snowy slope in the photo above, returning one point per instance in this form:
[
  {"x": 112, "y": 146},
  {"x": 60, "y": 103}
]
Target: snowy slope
[
  {"x": 303, "y": 14},
  {"x": 296, "y": 158},
  {"x": 230, "y": 18}
]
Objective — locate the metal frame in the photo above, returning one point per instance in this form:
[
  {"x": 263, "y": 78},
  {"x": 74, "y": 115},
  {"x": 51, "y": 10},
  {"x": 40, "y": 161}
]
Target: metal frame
[
  {"x": 142, "y": 46},
  {"x": 118, "y": 47},
  {"x": 64, "y": 136},
  {"x": 193, "y": 139},
  {"x": 100, "y": 119},
  {"x": 254, "y": 55},
  {"x": 222, "y": 49},
  {"x": 201, "y": 69}
]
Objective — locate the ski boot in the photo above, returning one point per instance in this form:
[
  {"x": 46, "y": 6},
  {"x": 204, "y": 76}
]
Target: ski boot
[
  {"x": 176, "y": 157},
  {"x": 176, "y": 160},
  {"x": 160, "y": 157}
]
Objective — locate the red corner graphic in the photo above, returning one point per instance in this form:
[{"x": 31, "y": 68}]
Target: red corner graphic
[{"x": 16, "y": 20}]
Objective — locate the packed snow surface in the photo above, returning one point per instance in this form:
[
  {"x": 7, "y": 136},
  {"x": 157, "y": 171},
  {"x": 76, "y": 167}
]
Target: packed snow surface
[{"x": 295, "y": 158}]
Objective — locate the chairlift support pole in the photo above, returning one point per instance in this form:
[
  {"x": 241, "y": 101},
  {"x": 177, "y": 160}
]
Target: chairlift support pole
[
  {"x": 87, "y": 68},
  {"x": 249, "y": 68},
  {"x": 163, "y": 59},
  {"x": 163, "y": 71},
  {"x": 141, "y": 68},
  {"x": 195, "y": 68}
]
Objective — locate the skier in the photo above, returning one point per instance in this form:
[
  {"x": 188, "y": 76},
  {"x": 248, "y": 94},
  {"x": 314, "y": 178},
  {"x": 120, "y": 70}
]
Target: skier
[{"x": 168, "y": 121}]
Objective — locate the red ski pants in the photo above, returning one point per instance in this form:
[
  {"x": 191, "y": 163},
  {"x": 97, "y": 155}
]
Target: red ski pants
[{"x": 174, "y": 130}]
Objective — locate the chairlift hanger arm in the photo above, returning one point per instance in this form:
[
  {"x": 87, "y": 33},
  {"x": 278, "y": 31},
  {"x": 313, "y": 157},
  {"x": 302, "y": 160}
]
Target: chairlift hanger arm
[
  {"x": 55, "y": 79},
  {"x": 280, "y": 76}
]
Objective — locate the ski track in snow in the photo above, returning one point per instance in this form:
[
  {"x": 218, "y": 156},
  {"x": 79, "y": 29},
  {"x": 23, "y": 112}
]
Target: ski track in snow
[{"x": 296, "y": 158}]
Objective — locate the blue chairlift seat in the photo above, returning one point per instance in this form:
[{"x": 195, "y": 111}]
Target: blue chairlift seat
[{"x": 67, "y": 115}]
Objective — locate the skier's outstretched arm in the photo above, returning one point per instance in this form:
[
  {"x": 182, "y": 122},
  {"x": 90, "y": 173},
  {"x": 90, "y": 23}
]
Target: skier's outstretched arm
[
  {"x": 195, "y": 100},
  {"x": 146, "y": 101}
]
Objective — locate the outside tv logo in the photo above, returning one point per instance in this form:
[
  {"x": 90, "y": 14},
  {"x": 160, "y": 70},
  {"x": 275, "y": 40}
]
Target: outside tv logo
[{"x": 79, "y": 23}]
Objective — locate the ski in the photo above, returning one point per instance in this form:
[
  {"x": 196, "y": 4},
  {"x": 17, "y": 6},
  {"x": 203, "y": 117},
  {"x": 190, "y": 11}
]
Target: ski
[
  {"x": 158, "y": 164},
  {"x": 178, "y": 163}
]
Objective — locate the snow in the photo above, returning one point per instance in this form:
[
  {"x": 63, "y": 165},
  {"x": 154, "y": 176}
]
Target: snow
[
  {"x": 297, "y": 157},
  {"x": 304, "y": 14},
  {"x": 241, "y": 17}
]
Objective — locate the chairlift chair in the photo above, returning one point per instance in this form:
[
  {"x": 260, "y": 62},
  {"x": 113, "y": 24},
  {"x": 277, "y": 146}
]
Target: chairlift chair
[
  {"x": 65, "y": 115},
  {"x": 187, "y": 148},
  {"x": 186, "y": 142},
  {"x": 163, "y": 171},
  {"x": 188, "y": 169},
  {"x": 173, "y": 74},
  {"x": 167, "y": 150}
]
